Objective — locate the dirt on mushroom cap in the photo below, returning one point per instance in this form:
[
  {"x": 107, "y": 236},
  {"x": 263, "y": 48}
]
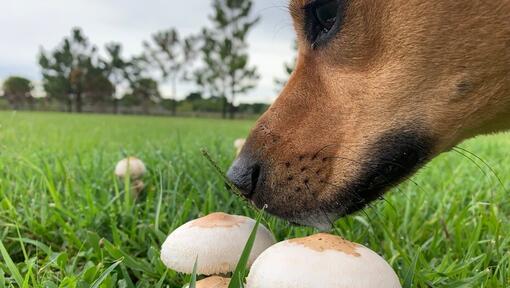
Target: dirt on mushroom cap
[
  {"x": 218, "y": 219},
  {"x": 322, "y": 242}
]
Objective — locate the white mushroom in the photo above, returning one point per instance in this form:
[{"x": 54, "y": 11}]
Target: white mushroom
[
  {"x": 131, "y": 166},
  {"x": 321, "y": 260},
  {"x": 238, "y": 144},
  {"x": 215, "y": 241},
  {"x": 213, "y": 282}
]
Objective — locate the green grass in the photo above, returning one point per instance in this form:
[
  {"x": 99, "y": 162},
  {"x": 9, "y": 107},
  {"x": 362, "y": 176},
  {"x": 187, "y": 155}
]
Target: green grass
[{"x": 65, "y": 221}]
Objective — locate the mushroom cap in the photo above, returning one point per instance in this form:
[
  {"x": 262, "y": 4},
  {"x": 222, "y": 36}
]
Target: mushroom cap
[
  {"x": 213, "y": 282},
  {"x": 132, "y": 166},
  {"x": 238, "y": 144},
  {"x": 216, "y": 241},
  {"x": 321, "y": 260}
]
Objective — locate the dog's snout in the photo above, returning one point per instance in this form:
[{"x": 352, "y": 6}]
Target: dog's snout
[{"x": 245, "y": 174}]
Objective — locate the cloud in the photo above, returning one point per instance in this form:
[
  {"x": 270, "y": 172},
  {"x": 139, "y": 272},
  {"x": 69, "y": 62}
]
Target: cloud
[{"x": 27, "y": 25}]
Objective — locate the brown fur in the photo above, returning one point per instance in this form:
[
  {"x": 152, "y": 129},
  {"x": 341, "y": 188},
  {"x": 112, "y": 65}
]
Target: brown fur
[{"x": 436, "y": 67}]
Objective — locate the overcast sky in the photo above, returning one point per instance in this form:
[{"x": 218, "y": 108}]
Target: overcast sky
[{"x": 26, "y": 25}]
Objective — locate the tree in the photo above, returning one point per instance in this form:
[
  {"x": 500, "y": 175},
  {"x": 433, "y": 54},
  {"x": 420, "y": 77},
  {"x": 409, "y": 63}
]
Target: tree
[
  {"x": 66, "y": 69},
  {"x": 115, "y": 68},
  {"x": 226, "y": 72},
  {"x": 194, "y": 96},
  {"x": 171, "y": 56},
  {"x": 17, "y": 91},
  {"x": 147, "y": 89},
  {"x": 97, "y": 88},
  {"x": 289, "y": 68},
  {"x": 141, "y": 84}
]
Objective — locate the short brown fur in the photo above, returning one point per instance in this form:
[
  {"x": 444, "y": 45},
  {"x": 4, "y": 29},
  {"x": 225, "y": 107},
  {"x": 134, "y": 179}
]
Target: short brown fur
[{"x": 437, "y": 67}]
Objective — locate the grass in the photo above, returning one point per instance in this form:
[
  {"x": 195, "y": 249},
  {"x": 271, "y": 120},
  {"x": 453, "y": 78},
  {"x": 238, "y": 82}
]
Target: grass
[{"x": 66, "y": 222}]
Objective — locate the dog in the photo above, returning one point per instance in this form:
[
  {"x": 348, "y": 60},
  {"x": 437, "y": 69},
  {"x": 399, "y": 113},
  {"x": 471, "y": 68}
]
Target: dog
[{"x": 379, "y": 89}]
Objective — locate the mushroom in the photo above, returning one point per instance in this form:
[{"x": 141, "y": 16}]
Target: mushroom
[
  {"x": 215, "y": 241},
  {"x": 213, "y": 282},
  {"x": 321, "y": 260},
  {"x": 137, "y": 188},
  {"x": 238, "y": 144},
  {"x": 131, "y": 166}
]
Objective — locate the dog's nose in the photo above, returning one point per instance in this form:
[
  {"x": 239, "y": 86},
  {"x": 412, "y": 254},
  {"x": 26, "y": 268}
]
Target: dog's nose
[{"x": 245, "y": 174}]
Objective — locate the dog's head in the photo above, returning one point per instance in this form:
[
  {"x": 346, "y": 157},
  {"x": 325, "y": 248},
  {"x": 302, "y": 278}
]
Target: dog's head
[{"x": 379, "y": 88}]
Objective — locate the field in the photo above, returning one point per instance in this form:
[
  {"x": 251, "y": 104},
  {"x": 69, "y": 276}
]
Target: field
[{"x": 64, "y": 219}]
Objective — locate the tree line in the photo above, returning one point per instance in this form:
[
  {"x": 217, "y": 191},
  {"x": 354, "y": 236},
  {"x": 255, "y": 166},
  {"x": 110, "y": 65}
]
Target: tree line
[{"x": 76, "y": 74}]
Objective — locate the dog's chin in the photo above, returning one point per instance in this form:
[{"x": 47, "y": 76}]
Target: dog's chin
[{"x": 321, "y": 221}]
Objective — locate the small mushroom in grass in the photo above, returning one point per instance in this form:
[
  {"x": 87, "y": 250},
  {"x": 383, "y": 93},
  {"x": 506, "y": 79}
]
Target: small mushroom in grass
[
  {"x": 321, "y": 260},
  {"x": 215, "y": 241},
  {"x": 213, "y": 282},
  {"x": 130, "y": 166},
  {"x": 238, "y": 144},
  {"x": 137, "y": 187}
]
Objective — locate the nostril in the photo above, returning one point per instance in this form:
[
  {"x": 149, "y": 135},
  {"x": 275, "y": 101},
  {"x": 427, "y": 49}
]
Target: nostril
[
  {"x": 255, "y": 175},
  {"x": 245, "y": 175}
]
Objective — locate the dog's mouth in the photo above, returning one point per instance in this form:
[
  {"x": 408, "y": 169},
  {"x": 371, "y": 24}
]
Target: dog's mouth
[
  {"x": 393, "y": 160},
  {"x": 387, "y": 162}
]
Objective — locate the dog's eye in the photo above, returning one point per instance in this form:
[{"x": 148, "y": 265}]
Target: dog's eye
[
  {"x": 323, "y": 19},
  {"x": 326, "y": 14}
]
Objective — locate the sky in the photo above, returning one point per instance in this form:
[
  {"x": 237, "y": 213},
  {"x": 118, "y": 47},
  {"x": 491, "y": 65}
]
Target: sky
[{"x": 28, "y": 25}]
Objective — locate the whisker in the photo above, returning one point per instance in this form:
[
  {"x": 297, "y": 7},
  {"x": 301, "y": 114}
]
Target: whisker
[
  {"x": 309, "y": 191},
  {"x": 493, "y": 171},
  {"x": 472, "y": 161},
  {"x": 388, "y": 202},
  {"x": 322, "y": 149},
  {"x": 359, "y": 198},
  {"x": 327, "y": 217}
]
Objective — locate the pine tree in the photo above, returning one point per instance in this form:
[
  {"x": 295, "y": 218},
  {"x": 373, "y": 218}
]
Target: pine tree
[
  {"x": 226, "y": 72},
  {"x": 171, "y": 55}
]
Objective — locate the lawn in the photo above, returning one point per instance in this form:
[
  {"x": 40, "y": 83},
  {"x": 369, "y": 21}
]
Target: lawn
[{"x": 64, "y": 219}]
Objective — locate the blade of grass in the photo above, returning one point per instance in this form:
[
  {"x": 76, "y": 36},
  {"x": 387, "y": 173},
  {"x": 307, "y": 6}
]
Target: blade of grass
[
  {"x": 193, "y": 282},
  {"x": 220, "y": 172},
  {"x": 129, "y": 282},
  {"x": 10, "y": 265},
  {"x": 160, "y": 202},
  {"x": 161, "y": 280},
  {"x": 408, "y": 280},
  {"x": 130, "y": 261},
  {"x": 2, "y": 278},
  {"x": 240, "y": 271},
  {"x": 47, "y": 250},
  {"x": 106, "y": 273},
  {"x": 27, "y": 277},
  {"x": 21, "y": 243}
]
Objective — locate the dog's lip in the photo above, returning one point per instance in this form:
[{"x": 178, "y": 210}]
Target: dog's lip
[{"x": 319, "y": 221}]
